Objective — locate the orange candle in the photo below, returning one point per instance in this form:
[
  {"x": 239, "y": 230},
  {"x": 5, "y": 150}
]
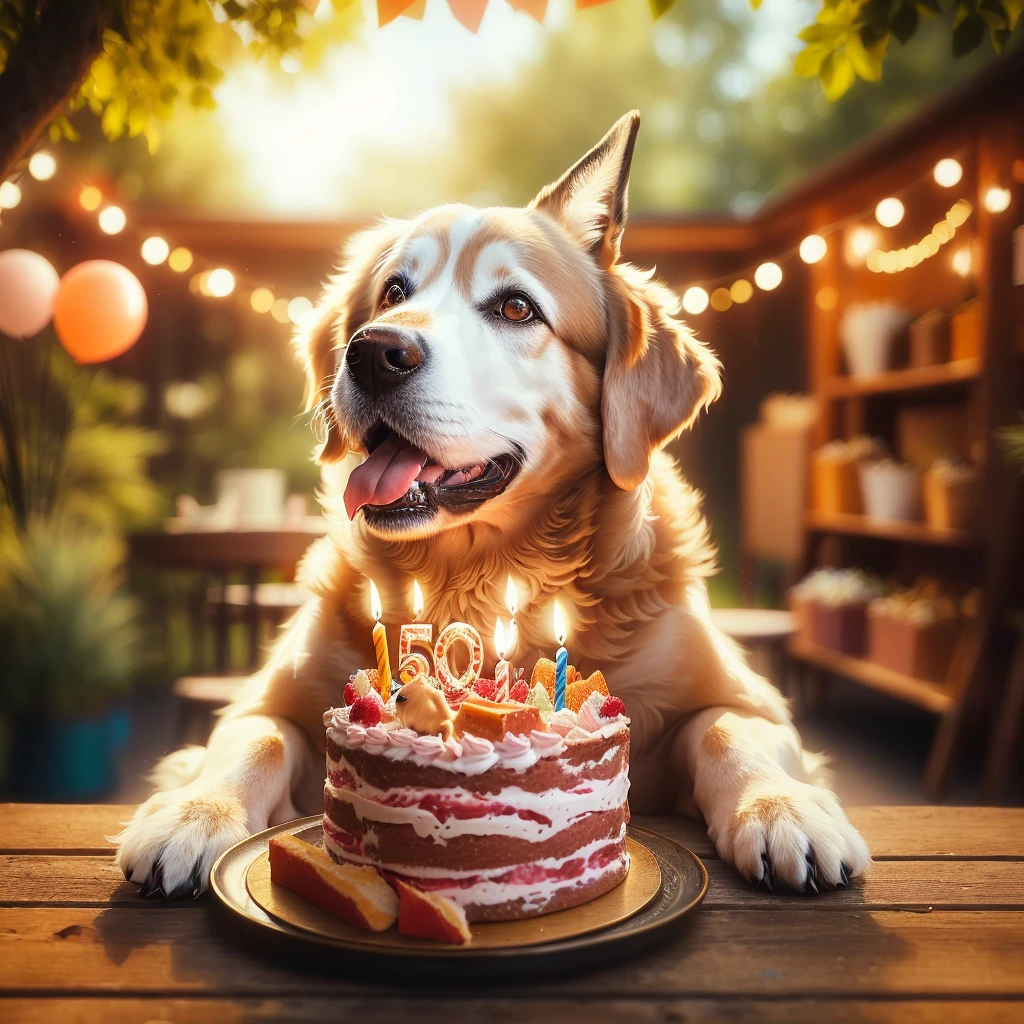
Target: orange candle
[{"x": 380, "y": 644}]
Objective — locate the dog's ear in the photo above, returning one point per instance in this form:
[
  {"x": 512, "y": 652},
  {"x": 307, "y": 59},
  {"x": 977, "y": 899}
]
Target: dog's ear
[
  {"x": 589, "y": 200},
  {"x": 347, "y": 303},
  {"x": 657, "y": 375}
]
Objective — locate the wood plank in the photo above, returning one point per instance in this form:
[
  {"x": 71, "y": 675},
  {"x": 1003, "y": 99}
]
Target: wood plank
[
  {"x": 890, "y": 529},
  {"x": 914, "y": 378},
  {"x": 438, "y": 1010},
  {"x": 930, "y": 696},
  {"x": 40, "y": 879},
  {"x": 720, "y": 953},
  {"x": 60, "y": 828}
]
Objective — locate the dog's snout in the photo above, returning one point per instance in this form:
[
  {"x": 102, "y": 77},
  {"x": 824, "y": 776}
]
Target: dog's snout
[{"x": 380, "y": 358}]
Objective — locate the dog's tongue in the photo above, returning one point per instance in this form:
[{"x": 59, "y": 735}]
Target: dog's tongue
[{"x": 385, "y": 476}]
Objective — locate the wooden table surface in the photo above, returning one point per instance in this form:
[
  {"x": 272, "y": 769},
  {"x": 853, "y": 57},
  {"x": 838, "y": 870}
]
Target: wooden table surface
[{"x": 936, "y": 933}]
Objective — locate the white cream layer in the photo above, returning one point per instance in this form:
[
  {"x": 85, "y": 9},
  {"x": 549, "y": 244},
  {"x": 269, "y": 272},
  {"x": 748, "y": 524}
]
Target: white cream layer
[
  {"x": 561, "y": 807},
  {"x": 486, "y": 892}
]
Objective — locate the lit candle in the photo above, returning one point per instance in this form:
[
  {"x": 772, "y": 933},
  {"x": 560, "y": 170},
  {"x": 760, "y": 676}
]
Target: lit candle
[
  {"x": 380, "y": 644},
  {"x": 502, "y": 669},
  {"x": 512, "y": 603},
  {"x": 416, "y": 633},
  {"x": 561, "y": 659}
]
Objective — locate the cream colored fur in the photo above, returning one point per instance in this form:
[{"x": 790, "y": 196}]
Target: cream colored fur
[{"x": 599, "y": 517}]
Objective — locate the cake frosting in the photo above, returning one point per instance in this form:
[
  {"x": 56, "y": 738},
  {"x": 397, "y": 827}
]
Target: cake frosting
[{"x": 520, "y": 826}]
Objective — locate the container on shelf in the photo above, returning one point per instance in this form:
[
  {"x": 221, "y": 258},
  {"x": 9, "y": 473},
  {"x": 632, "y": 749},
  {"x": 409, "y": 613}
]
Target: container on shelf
[
  {"x": 830, "y": 607},
  {"x": 841, "y": 627},
  {"x": 871, "y": 333},
  {"x": 923, "y": 650},
  {"x": 952, "y": 495},
  {"x": 966, "y": 331},
  {"x": 930, "y": 339},
  {"x": 891, "y": 490},
  {"x": 835, "y": 474}
]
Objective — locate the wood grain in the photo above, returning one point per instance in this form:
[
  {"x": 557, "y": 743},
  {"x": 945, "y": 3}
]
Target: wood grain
[
  {"x": 721, "y": 953},
  {"x": 68, "y": 829},
  {"x": 438, "y": 1010}
]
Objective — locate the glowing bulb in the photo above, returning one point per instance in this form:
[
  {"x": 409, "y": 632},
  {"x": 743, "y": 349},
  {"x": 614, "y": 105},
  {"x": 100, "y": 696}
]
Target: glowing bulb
[
  {"x": 112, "y": 220},
  {"x": 298, "y": 309},
  {"x": 42, "y": 166},
  {"x": 942, "y": 232},
  {"x": 959, "y": 212},
  {"x": 721, "y": 300},
  {"x": 741, "y": 291},
  {"x": 417, "y": 599},
  {"x": 375, "y": 605},
  {"x": 889, "y": 212},
  {"x": 90, "y": 198},
  {"x": 180, "y": 260},
  {"x": 261, "y": 300},
  {"x": 874, "y": 261},
  {"x": 559, "y": 623},
  {"x": 859, "y": 242},
  {"x": 996, "y": 199},
  {"x": 220, "y": 282},
  {"x": 827, "y": 298},
  {"x": 813, "y": 248},
  {"x": 962, "y": 262},
  {"x": 279, "y": 311},
  {"x": 10, "y": 195},
  {"x": 948, "y": 172},
  {"x": 155, "y": 250},
  {"x": 695, "y": 300},
  {"x": 768, "y": 276}
]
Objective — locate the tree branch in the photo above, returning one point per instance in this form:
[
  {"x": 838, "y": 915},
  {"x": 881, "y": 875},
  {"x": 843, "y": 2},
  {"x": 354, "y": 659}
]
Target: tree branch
[{"x": 60, "y": 41}]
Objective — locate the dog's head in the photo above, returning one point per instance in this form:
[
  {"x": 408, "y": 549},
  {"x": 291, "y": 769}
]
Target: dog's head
[{"x": 483, "y": 358}]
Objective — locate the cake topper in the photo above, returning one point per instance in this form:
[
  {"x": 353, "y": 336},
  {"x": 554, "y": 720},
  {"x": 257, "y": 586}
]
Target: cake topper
[{"x": 422, "y": 708}]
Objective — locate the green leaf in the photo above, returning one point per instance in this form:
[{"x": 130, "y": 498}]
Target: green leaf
[
  {"x": 866, "y": 61},
  {"x": 809, "y": 60},
  {"x": 967, "y": 36},
  {"x": 836, "y": 75},
  {"x": 904, "y": 22}
]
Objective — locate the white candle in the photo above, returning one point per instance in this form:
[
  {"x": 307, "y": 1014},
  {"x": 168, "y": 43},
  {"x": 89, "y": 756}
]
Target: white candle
[{"x": 502, "y": 669}]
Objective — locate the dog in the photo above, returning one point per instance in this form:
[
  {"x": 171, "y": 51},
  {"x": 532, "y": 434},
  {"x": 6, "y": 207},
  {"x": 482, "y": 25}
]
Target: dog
[{"x": 510, "y": 384}]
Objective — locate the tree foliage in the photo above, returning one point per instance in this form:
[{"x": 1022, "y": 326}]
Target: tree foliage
[{"x": 849, "y": 39}]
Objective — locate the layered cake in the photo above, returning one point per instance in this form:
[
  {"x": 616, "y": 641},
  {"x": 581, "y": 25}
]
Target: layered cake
[{"x": 509, "y": 809}]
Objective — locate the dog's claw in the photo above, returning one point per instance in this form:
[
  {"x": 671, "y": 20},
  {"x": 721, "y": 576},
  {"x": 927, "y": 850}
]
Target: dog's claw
[
  {"x": 764, "y": 883},
  {"x": 196, "y": 881},
  {"x": 155, "y": 882},
  {"x": 844, "y": 874},
  {"x": 811, "y": 885}
]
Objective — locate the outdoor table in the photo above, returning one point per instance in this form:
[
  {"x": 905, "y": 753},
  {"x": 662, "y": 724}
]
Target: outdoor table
[
  {"x": 219, "y": 553},
  {"x": 936, "y": 933}
]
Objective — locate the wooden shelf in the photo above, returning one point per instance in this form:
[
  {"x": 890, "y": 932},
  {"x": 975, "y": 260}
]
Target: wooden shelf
[
  {"x": 915, "y": 378},
  {"x": 930, "y": 696},
  {"x": 905, "y": 530}
]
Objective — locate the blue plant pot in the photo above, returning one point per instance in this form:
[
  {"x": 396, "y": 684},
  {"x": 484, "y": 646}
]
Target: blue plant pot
[{"x": 67, "y": 760}]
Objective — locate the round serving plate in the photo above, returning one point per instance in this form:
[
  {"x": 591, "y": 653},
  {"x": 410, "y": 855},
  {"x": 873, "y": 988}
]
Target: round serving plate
[{"x": 665, "y": 882}]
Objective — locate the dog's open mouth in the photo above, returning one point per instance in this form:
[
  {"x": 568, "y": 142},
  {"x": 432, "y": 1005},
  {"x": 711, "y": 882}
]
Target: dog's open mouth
[{"x": 399, "y": 485}]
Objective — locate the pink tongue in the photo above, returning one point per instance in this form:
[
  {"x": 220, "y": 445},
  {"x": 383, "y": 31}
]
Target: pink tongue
[{"x": 385, "y": 476}]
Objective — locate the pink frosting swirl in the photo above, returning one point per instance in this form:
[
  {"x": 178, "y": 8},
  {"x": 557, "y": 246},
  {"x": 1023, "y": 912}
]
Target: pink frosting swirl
[
  {"x": 428, "y": 746},
  {"x": 402, "y": 737},
  {"x": 355, "y": 735},
  {"x": 476, "y": 746},
  {"x": 512, "y": 745},
  {"x": 546, "y": 744},
  {"x": 452, "y": 748}
]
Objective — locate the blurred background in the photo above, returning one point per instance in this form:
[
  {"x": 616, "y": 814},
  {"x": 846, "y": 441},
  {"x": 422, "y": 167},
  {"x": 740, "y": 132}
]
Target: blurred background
[{"x": 159, "y": 497}]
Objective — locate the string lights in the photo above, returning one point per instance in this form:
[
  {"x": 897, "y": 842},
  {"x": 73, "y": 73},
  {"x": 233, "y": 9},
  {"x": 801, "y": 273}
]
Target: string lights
[{"x": 860, "y": 244}]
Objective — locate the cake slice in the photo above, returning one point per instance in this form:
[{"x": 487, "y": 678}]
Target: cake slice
[
  {"x": 425, "y": 915},
  {"x": 354, "y": 893}
]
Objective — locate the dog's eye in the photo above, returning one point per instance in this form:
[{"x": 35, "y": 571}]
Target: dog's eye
[
  {"x": 516, "y": 308},
  {"x": 394, "y": 294}
]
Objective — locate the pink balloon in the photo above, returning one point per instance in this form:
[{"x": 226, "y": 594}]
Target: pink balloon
[
  {"x": 28, "y": 286},
  {"x": 100, "y": 310}
]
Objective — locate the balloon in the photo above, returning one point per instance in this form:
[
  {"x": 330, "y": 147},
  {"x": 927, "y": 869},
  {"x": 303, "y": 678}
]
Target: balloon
[
  {"x": 100, "y": 310},
  {"x": 28, "y": 285}
]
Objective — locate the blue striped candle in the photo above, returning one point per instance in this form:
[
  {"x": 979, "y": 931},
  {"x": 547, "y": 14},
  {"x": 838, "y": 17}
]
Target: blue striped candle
[{"x": 561, "y": 659}]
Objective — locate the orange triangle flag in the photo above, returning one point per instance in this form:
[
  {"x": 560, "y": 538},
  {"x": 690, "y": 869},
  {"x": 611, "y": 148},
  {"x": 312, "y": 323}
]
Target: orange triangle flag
[
  {"x": 588, "y": 3},
  {"x": 467, "y": 12},
  {"x": 388, "y": 10},
  {"x": 534, "y": 8},
  {"x": 416, "y": 12}
]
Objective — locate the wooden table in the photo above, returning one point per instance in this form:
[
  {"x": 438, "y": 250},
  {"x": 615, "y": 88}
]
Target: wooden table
[
  {"x": 219, "y": 553},
  {"x": 937, "y": 933}
]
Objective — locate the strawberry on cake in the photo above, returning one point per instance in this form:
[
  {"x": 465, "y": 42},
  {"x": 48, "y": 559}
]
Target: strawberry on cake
[{"x": 519, "y": 810}]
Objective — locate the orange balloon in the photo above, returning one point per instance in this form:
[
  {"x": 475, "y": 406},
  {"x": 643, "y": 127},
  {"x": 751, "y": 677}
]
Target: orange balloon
[{"x": 100, "y": 310}]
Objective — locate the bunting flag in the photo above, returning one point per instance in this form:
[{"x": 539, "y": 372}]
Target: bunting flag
[
  {"x": 534, "y": 8},
  {"x": 388, "y": 10},
  {"x": 416, "y": 12},
  {"x": 468, "y": 13}
]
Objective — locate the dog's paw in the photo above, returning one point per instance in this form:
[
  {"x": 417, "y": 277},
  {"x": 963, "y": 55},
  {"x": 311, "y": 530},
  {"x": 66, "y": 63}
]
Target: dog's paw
[
  {"x": 173, "y": 839},
  {"x": 792, "y": 833}
]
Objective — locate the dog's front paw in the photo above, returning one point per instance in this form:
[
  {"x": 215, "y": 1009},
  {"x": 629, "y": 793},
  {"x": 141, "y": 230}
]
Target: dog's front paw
[
  {"x": 172, "y": 841},
  {"x": 791, "y": 833}
]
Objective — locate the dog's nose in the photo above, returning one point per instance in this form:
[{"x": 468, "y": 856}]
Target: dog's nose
[{"x": 379, "y": 358}]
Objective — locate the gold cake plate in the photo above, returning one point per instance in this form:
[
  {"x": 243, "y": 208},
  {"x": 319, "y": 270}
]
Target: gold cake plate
[{"x": 665, "y": 882}]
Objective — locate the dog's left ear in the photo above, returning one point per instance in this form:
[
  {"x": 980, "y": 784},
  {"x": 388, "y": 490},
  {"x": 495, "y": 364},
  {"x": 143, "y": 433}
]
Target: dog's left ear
[
  {"x": 657, "y": 375},
  {"x": 589, "y": 200}
]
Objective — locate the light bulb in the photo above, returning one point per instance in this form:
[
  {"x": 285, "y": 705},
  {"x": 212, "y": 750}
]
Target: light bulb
[
  {"x": 721, "y": 299},
  {"x": 112, "y": 220},
  {"x": 889, "y": 212},
  {"x": 42, "y": 166},
  {"x": 220, "y": 282},
  {"x": 948, "y": 172},
  {"x": 996, "y": 199},
  {"x": 90, "y": 198},
  {"x": 741, "y": 291},
  {"x": 695, "y": 300},
  {"x": 10, "y": 195},
  {"x": 768, "y": 276},
  {"x": 813, "y": 248},
  {"x": 298, "y": 309},
  {"x": 261, "y": 300},
  {"x": 155, "y": 250},
  {"x": 180, "y": 260}
]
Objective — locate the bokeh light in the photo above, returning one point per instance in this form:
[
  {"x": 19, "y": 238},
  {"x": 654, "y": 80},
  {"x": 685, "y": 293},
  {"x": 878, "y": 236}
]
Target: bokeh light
[
  {"x": 261, "y": 300},
  {"x": 721, "y": 299},
  {"x": 948, "y": 172},
  {"x": 298, "y": 309},
  {"x": 695, "y": 300},
  {"x": 112, "y": 220},
  {"x": 741, "y": 291},
  {"x": 90, "y": 198},
  {"x": 155, "y": 250},
  {"x": 827, "y": 298},
  {"x": 10, "y": 195},
  {"x": 813, "y": 248},
  {"x": 996, "y": 199},
  {"x": 768, "y": 276},
  {"x": 220, "y": 282},
  {"x": 42, "y": 166},
  {"x": 889, "y": 212},
  {"x": 180, "y": 259}
]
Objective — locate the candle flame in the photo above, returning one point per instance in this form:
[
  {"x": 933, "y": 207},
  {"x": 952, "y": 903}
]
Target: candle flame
[
  {"x": 375, "y": 606},
  {"x": 499, "y": 639},
  {"x": 417, "y": 599},
  {"x": 511, "y": 597},
  {"x": 560, "y": 633}
]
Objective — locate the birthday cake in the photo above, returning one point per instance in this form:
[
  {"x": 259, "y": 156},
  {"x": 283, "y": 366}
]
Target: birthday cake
[{"x": 508, "y": 808}]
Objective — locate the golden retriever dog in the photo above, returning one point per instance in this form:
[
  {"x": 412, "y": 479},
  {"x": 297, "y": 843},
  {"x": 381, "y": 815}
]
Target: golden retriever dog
[{"x": 510, "y": 385}]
